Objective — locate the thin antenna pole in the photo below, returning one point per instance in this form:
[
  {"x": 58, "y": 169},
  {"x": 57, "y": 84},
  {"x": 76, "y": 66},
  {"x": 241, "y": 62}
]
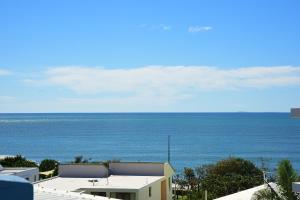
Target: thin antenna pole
[{"x": 169, "y": 138}]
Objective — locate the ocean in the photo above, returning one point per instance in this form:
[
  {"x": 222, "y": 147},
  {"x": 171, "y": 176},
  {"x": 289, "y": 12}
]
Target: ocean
[{"x": 196, "y": 138}]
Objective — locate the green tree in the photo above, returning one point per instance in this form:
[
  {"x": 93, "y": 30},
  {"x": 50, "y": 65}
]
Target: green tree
[
  {"x": 286, "y": 176},
  {"x": 80, "y": 159},
  {"x": 266, "y": 194},
  {"x": 17, "y": 161},
  {"x": 189, "y": 176},
  {"x": 47, "y": 165},
  {"x": 229, "y": 176}
]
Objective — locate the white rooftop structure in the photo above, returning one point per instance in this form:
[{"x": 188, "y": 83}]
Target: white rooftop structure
[
  {"x": 49, "y": 194},
  {"x": 29, "y": 173},
  {"x": 119, "y": 180},
  {"x": 246, "y": 194},
  {"x": 112, "y": 182},
  {"x": 14, "y": 170}
]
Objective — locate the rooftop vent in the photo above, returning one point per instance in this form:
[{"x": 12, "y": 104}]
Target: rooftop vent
[{"x": 93, "y": 181}]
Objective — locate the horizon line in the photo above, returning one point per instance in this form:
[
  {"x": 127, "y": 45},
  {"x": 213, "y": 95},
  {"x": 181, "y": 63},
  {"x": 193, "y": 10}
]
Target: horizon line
[{"x": 149, "y": 112}]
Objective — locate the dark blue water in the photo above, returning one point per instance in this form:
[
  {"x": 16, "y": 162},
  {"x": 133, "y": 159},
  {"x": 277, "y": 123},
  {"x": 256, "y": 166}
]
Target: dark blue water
[{"x": 196, "y": 138}]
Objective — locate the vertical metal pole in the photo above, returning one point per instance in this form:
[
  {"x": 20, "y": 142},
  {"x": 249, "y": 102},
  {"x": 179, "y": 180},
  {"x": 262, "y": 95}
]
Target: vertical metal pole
[
  {"x": 205, "y": 195},
  {"x": 169, "y": 149}
]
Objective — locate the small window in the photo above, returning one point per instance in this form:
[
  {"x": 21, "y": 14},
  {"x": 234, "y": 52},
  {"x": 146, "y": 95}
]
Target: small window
[
  {"x": 150, "y": 191},
  {"x": 170, "y": 184}
]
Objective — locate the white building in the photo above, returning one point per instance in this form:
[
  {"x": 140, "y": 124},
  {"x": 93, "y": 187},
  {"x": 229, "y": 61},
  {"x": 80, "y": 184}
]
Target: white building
[
  {"x": 247, "y": 194},
  {"x": 121, "y": 180},
  {"x": 48, "y": 194},
  {"x": 30, "y": 174}
]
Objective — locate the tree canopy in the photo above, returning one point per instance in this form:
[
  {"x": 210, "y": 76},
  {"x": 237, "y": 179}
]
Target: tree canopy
[
  {"x": 222, "y": 178},
  {"x": 17, "y": 161},
  {"x": 47, "y": 165},
  {"x": 286, "y": 176},
  {"x": 231, "y": 175}
]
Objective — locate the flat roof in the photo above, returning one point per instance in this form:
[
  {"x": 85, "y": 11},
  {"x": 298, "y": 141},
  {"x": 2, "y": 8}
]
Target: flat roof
[
  {"x": 48, "y": 194},
  {"x": 112, "y": 182},
  {"x": 15, "y": 170}
]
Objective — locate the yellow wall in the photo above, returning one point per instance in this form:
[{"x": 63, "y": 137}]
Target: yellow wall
[
  {"x": 168, "y": 173},
  {"x": 143, "y": 193}
]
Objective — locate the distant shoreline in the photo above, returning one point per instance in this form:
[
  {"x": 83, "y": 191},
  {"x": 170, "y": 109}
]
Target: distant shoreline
[{"x": 237, "y": 112}]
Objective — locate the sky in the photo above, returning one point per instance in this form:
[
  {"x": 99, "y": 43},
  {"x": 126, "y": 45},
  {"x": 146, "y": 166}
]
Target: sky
[{"x": 149, "y": 56}]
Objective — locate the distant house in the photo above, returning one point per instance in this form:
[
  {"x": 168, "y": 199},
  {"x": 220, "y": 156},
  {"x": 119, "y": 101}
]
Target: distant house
[
  {"x": 295, "y": 112},
  {"x": 120, "y": 180},
  {"x": 28, "y": 173}
]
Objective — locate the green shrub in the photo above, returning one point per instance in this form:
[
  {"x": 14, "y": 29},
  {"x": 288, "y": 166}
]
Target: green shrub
[
  {"x": 47, "y": 165},
  {"x": 17, "y": 161}
]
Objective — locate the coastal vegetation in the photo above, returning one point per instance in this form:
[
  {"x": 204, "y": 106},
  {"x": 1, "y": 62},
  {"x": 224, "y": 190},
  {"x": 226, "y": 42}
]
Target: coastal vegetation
[
  {"x": 222, "y": 178},
  {"x": 232, "y": 175},
  {"x": 48, "y": 165},
  {"x": 17, "y": 161},
  {"x": 285, "y": 176},
  {"x": 80, "y": 159}
]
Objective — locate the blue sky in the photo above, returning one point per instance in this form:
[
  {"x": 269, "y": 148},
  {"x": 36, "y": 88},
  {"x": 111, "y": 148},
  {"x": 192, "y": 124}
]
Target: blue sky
[{"x": 149, "y": 56}]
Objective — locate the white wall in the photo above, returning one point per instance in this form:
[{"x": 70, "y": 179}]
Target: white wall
[
  {"x": 168, "y": 173},
  {"x": 143, "y": 193},
  {"x": 31, "y": 174}
]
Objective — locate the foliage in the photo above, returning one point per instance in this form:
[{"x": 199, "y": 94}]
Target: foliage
[
  {"x": 223, "y": 178},
  {"x": 231, "y": 175},
  {"x": 17, "y": 161},
  {"x": 80, "y": 159},
  {"x": 106, "y": 163},
  {"x": 286, "y": 176},
  {"x": 266, "y": 194},
  {"x": 189, "y": 176},
  {"x": 47, "y": 165}
]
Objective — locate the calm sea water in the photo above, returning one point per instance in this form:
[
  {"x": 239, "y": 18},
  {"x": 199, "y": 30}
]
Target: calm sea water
[{"x": 196, "y": 138}]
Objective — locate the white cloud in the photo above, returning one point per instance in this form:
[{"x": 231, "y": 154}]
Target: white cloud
[
  {"x": 196, "y": 29},
  {"x": 162, "y": 27},
  {"x": 4, "y": 72},
  {"x": 166, "y": 83}
]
